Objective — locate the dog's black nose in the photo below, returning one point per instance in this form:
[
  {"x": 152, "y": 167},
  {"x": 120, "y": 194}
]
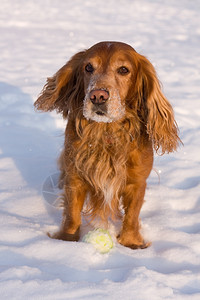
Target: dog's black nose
[{"x": 99, "y": 96}]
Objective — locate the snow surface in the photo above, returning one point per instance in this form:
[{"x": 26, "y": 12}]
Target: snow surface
[{"x": 37, "y": 38}]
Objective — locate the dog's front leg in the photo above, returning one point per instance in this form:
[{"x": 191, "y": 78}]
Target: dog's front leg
[
  {"x": 133, "y": 198},
  {"x": 74, "y": 195}
]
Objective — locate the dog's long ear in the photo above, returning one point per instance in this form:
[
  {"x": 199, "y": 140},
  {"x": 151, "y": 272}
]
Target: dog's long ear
[
  {"x": 64, "y": 90},
  {"x": 156, "y": 109}
]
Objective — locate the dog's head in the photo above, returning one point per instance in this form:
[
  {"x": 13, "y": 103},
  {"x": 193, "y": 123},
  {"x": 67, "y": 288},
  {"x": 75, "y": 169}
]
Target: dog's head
[
  {"x": 104, "y": 82},
  {"x": 108, "y": 76}
]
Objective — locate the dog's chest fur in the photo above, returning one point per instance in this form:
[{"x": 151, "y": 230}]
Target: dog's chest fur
[{"x": 101, "y": 158}]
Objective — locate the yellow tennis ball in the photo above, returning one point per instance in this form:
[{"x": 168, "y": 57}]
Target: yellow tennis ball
[{"x": 101, "y": 240}]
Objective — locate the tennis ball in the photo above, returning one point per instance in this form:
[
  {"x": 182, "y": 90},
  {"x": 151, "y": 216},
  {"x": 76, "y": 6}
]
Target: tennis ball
[{"x": 100, "y": 239}]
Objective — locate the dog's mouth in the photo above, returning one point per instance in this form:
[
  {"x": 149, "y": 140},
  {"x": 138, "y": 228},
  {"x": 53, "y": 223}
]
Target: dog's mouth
[
  {"x": 100, "y": 110},
  {"x": 97, "y": 114},
  {"x": 100, "y": 113}
]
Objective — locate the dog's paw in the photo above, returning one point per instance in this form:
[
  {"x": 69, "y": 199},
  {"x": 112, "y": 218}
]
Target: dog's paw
[
  {"x": 61, "y": 235},
  {"x": 133, "y": 243},
  {"x": 140, "y": 246},
  {"x": 134, "y": 246}
]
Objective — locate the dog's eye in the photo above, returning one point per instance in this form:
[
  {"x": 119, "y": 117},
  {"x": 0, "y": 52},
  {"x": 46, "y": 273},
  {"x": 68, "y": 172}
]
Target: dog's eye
[
  {"x": 89, "y": 68},
  {"x": 123, "y": 70}
]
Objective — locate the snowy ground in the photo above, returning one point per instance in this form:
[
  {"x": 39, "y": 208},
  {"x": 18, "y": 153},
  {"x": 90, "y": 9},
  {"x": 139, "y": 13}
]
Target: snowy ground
[{"x": 38, "y": 37}]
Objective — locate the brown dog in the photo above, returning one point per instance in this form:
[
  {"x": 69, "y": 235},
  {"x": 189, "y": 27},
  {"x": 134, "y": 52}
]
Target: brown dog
[{"x": 117, "y": 115}]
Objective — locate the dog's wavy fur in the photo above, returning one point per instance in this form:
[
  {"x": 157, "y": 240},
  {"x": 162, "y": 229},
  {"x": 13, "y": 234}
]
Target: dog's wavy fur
[{"x": 106, "y": 162}]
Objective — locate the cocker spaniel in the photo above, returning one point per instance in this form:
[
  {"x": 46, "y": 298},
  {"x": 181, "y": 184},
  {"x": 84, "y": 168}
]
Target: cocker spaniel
[{"x": 117, "y": 115}]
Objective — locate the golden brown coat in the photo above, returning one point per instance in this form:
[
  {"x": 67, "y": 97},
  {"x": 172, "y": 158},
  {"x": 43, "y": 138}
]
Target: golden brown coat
[{"x": 117, "y": 114}]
